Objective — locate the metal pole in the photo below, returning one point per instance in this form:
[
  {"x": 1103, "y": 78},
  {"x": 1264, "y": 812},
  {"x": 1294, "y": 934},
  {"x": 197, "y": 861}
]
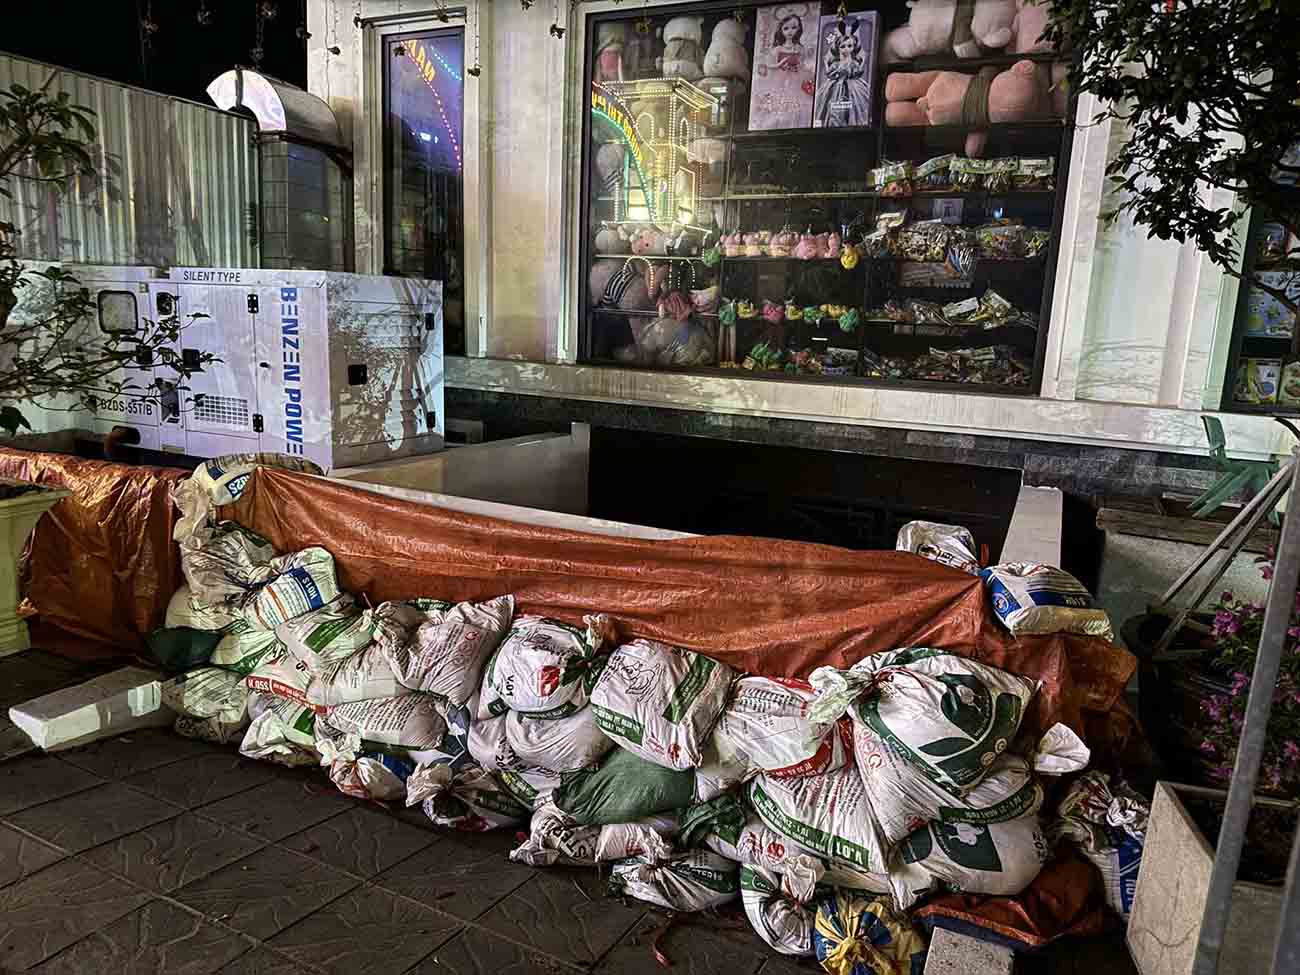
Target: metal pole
[
  {"x": 1249, "y": 508},
  {"x": 1251, "y": 514},
  {"x": 1286, "y": 953},
  {"x": 1250, "y": 747}
]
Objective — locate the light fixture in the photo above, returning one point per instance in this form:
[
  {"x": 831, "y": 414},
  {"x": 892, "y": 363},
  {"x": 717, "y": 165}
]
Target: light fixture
[{"x": 426, "y": 137}]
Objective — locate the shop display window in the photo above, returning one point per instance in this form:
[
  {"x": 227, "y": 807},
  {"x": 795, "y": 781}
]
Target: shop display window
[
  {"x": 1264, "y": 361},
  {"x": 424, "y": 208},
  {"x": 801, "y": 190}
]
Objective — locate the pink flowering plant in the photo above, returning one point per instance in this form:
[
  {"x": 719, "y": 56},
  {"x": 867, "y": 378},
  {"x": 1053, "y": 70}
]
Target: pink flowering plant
[{"x": 1237, "y": 628}]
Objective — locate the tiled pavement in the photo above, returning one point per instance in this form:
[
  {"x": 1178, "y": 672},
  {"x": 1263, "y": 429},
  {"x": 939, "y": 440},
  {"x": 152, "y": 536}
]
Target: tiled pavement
[{"x": 151, "y": 853}]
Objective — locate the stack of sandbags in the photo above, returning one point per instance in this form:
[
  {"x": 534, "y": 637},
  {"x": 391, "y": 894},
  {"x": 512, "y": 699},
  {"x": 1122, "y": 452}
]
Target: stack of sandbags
[{"x": 534, "y": 725}]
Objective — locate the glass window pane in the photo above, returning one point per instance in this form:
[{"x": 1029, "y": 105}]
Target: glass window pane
[{"x": 423, "y": 157}]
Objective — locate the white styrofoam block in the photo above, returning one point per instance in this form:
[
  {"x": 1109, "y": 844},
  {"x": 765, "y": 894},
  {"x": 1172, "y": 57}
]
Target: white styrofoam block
[
  {"x": 111, "y": 704},
  {"x": 957, "y": 954}
]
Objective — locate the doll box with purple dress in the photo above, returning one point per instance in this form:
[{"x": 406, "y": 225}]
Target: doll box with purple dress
[
  {"x": 846, "y": 65},
  {"x": 785, "y": 66}
]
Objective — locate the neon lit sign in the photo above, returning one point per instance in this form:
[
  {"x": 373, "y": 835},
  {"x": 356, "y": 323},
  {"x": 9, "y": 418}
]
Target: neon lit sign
[{"x": 608, "y": 106}]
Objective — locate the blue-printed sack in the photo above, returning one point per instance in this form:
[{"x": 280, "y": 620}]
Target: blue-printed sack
[{"x": 1030, "y": 597}]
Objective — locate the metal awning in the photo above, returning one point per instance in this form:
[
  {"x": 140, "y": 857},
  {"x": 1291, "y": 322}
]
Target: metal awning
[{"x": 279, "y": 107}]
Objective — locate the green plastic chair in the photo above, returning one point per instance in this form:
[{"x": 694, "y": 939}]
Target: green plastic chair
[{"x": 1236, "y": 476}]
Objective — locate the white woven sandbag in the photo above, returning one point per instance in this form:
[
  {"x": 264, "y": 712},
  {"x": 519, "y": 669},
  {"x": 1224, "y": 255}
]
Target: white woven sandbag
[
  {"x": 413, "y": 720},
  {"x": 554, "y": 839},
  {"x": 227, "y": 566},
  {"x": 211, "y": 704},
  {"x": 1000, "y": 858},
  {"x": 298, "y": 583},
  {"x": 717, "y": 775},
  {"x": 220, "y": 481},
  {"x": 543, "y": 667},
  {"x": 661, "y": 702},
  {"x": 827, "y": 815},
  {"x": 1029, "y": 597},
  {"x": 243, "y": 648},
  {"x": 758, "y": 845},
  {"x": 363, "y": 676},
  {"x": 446, "y": 652},
  {"x": 777, "y": 912},
  {"x": 470, "y": 799},
  {"x": 561, "y": 745},
  {"x": 489, "y": 746},
  {"x": 282, "y": 731},
  {"x": 184, "y": 610},
  {"x": 280, "y": 676},
  {"x": 945, "y": 716},
  {"x": 767, "y": 726},
  {"x": 323, "y": 637},
  {"x": 950, "y": 545},
  {"x": 694, "y": 881}
]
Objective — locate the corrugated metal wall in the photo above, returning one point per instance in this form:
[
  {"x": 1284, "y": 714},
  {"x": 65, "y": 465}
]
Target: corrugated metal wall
[{"x": 177, "y": 183}]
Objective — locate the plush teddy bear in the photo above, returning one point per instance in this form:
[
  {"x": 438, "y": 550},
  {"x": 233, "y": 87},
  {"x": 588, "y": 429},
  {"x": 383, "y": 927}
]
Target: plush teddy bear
[
  {"x": 1031, "y": 20},
  {"x": 991, "y": 27},
  {"x": 650, "y": 242},
  {"x": 682, "y": 37},
  {"x": 611, "y": 38},
  {"x": 931, "y": 27},
  {"x": 937, "y": 97},
  {"x": 726, "y": 56},
  {"x": 611, "y": 240}
]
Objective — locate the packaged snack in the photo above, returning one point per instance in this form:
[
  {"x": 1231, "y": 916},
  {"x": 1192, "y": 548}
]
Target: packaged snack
[
  {"x": 1257, "y": 381},
  {"x": 892, "y": 179},
  {"x": 999, "y": 174},
  {"x": 1035, "y": 173},
  {"x": 933, "y": 174}
]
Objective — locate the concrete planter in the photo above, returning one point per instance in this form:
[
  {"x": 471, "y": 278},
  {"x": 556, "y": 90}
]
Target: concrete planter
[
  {"x": 1171, "y": 893},
  {"x": 18, "y": 516}
]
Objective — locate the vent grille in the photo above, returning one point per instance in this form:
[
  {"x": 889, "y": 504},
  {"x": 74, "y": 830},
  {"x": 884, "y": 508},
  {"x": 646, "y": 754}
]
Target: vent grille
[{"x": 231, "y": 411}]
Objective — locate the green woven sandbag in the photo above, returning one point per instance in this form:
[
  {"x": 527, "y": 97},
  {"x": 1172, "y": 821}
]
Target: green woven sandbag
[
  {"x": 180, "y": 648},
  {"x": 623, "y": 789}
]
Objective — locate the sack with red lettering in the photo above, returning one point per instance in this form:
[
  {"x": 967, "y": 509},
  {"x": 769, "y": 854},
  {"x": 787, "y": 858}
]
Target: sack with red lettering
[
  {"x": 757, "y": 844},
  {"x": 282, "y": 676},
  {"x": 544, "y": 667},
  {"x": 767, "y": 727},
  {"x": 661, "y": 702},
  {"x": 298, "y": 583},
  {"x": 555, "y": 839}
]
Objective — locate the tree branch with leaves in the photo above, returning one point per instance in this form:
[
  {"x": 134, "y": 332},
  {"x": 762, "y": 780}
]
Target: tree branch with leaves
[
  {"x": 1208, "y": 94},
  {"x": 52, "y": 351}
]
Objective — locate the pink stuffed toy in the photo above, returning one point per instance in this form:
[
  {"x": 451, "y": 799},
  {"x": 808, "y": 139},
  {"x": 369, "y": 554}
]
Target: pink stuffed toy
[
  {"x": 733, "y": 245},
  {"x": 807, "y": 247},
  {"x": 783, "y": 243},
  {"x": 1031, "y": 20},
  {"x": 832, "y": 248},
  {"x": 935, "y": 98},
  {"x": 650, "y": 241}
]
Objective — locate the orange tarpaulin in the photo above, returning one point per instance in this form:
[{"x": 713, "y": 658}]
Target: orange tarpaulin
[
  {"x": 764, "y": 606},
  {"x": 102, "y": 562}
]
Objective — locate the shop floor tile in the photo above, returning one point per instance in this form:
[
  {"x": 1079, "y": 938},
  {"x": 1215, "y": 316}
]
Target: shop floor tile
[
  {"x": 35, "y": 778},
  {"x": 563, "y": 914},
  {"x": 78, "y": 822},
  {"x": 691, "y": 948},
  {"x": 173, "y": 853},
  {"x": 475, "y": 952},
  {"x": 264, "y": 961},
  {"x": 57, "y": 907},
  {"x": 202, "y": 779},
  {"x": 367, "y": 930},
  {"x": 361, "y": 841},
  {"x": 156, "y": 939},
  {"x": 138, "y": 751},
  {"x": 463, "y": 874},
  {"x": 278, "y": 808},
  {"x": 21, "y": 856},
  {"x": 266, "y": 892}
]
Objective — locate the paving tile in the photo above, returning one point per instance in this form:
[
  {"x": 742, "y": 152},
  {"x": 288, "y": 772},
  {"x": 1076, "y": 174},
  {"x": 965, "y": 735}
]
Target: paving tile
[
  {"x": 24, "y": 677},
  {"x": 279, "y": 808},
  {"x": 33, "y": 779},
  {"x": 78, "y": 822},
  {"x": 368, "y": 930},
  {"x": 691, "y": 948},
  {"x": 56, "y": 907},
  {"x": 362, "y": 841},
  {"x": 474, "y": 953},
  {"x": 263, "y": 961},
  {"x": 148, "y": 748},
  {"x": 202, "y": 779},
  {"x": 13, "y": 740},
  {"x": 554, "y": 914},
  {"x": 21, "y": 856},
  {"x": 461, "y": 873},
  {"x": 156, "y": 939},
  {"x": 174, "y": 852},
  {"x": 785, "y": 965},
  {"x": 266, "y": 892}
]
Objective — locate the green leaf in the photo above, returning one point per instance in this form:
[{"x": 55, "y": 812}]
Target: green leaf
[{"x": 12, "y": 420}]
